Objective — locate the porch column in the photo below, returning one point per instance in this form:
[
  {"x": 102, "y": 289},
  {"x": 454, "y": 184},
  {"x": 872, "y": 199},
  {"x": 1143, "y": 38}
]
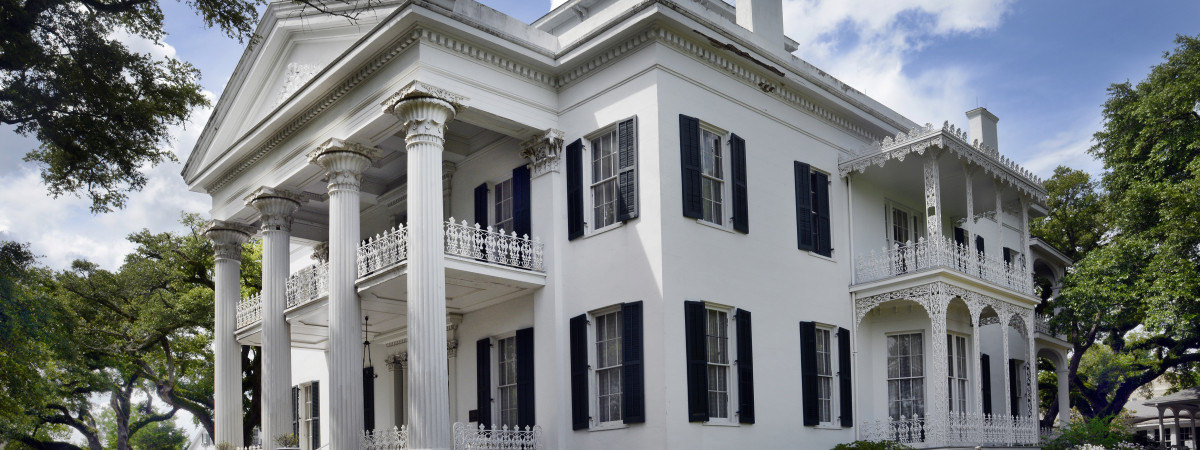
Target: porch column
[
  {"x": 1162, "y": 442},
  {"x": 545, "y": 154},
  {"x": 227, "y": 239},
  {"x": 1026, "y": 264},
  {"x": 933, "y": 196},
  {"x": 424, "y": 112},
  {"x": 969, "y": 223},
  {"x": 1031, "y": 362},
  {"x": 977, "y": 364},
  {"x": 1175, "y": 428},
  {"x": 999, "y": 217},
  {"x": 275, "y": 208},
  {"x": 938, "y": 415},
  {"x": 344, "y": 163},
  {"x": 1064, "y": 395},
  {"x": 1005, "y": 321}
]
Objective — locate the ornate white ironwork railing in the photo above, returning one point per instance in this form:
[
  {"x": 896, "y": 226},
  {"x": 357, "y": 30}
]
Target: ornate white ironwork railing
[
  {"x": 308, "y": 284},
  {"x": 250, "y": 447},
  {"x": 493, "y": 246},
  {"x": 957, "y": 430},
  {"x": 941, "y": 252},
  {"x": 249, "y": 310},
  {"x": 467, "y": 437},
  {"x": 393, "y": 439},
  {"x": 383, "y": 250},
  {"x": 1042, "y": 324}
]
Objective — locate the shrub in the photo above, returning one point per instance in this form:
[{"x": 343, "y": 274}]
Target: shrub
[
  {"x": 1099, "y": 433},
  {"x": 872, "y": 445},
  {"x": 287, "y": 440}
]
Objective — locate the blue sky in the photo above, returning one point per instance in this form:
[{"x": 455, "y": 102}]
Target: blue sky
[{"x": 1041, "y": 66}]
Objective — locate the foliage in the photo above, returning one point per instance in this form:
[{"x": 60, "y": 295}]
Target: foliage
[
  {"x": 287, "y": 440},
  {"x": 164, "y": 434},
  {"x": 1134, "y": 286},
  {"x": 224, "y": 446},
  {"x": 1104, "y": 433},
  {"x": 872, "y": 445}
]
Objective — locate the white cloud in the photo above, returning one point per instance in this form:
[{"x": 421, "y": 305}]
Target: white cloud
[
  {"x": 1068, "y": 147},
  {"x": 138, "y": 44},
  {"x": 868, "y": 43}
]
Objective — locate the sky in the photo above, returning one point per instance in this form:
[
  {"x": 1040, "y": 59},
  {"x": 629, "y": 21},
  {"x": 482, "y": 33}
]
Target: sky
[{"x": 1041, "y": 66}]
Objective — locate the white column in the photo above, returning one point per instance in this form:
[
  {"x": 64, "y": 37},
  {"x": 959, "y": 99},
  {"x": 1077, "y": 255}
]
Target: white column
[
  {"x": 1064, "y": 395},
  {"x": 999, "y": 216},
  {"x": 1175, "y": 428},
  {"x": 344, "y": 163},
  {"x": 977, "y": 364},
  {"x": 1005, "y": 318},
  {"x": 275, "y": 208},
  {"x": 227, "y": 238},
  {"x": 1031, "y": 362},
  {"x": 933, "y": 196},
  {"x": 424, "y": 112},
  {"x": 969, "y": 223},
  {"x": 937, "y": 415},
  {"x": 545, "y": 153},
  {"x": 1026, "y": 264}
]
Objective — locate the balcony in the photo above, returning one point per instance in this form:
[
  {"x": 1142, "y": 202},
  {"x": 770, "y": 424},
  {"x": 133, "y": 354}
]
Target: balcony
[
  {"x": 471, "y": 247},
  {"x": 956, "y": 430},
  {"x": 466, "y": 437},
  {"x": 941, "y": 253}
]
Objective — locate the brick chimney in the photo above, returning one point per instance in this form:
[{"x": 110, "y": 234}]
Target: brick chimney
[
  {"x": 983, "y": 127},
  {"x": 764, "y": 18}
]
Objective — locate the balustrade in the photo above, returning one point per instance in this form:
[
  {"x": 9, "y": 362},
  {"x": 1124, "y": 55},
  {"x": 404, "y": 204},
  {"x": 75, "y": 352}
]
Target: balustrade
[
  {"x": 390, "y": 248},
  {"x": 941, "y": 252},
  {"x": 466, "y": 437},
  {"x": 393, "y": 439},
  {"x": 961, "y": 430}
]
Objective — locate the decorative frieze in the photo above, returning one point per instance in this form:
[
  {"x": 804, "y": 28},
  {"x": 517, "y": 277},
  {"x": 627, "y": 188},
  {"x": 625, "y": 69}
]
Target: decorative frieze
[{"x": 544, "y": 151}]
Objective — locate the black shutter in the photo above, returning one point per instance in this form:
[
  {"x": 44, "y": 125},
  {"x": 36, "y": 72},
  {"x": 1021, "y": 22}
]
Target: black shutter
[
  {"x": 296, "y": 410},
  {"x": 985, "y": 378},
  {"x": 741, "y": 208},
  {"x": 522, "y": 216},
  {"x": 481, "y": 205},
  {"x": 804, "y": 208},
  {"x": 627, "y": 185},
  {"x": 483, "y": 380},
  {"x": 575, "y": 189},
  {"x": 579, "y": 373},
  {"x": 316, "y": 414},
  {"x": 823, "y": 240},
  {"x": 633, "y": 377},
  {"x": 845, "y": 381},
  {"x": 1014, "y": 397},
  {"x": 808, "y": 374},
  {"x": 368, "y": 398},
  {"x": 689, "y": 161},
  {"x": 525, "y": 397},
  {"x": 979, "y": 244},
  {"x": 697, "y": 359},
  {"x": 960, "y": 236},
  {"x": 745, "y": 367}
]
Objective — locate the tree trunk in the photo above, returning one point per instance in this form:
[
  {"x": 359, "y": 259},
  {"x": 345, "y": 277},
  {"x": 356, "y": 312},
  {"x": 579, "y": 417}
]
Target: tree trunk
[
  {"x": 252, "y": 371},
  {"x": 120, "y": 404}
]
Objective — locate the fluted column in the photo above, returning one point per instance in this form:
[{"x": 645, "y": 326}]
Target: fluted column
[
  {"x": 1064, "y": 393},
  {"x": 227, "y": 239},
  {"x": 275, "y": 208},
  {"x": 424, "y": 112},
  {"x": 344, "y": 163}
]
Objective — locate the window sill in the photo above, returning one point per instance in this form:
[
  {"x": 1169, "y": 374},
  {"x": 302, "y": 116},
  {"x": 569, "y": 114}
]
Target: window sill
[
  {"x": 606, "y": 229},
  {"x": 820, "y": 256},
  {"x": 713, "y": 225},
  {"x": 721, "y": 424},
  {"x": 609, "y": 426},
  {"x": 828, "y": 426}
]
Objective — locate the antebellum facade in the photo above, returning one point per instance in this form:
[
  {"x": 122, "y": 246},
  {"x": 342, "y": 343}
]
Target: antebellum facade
[{"x": 630, "y": 224}]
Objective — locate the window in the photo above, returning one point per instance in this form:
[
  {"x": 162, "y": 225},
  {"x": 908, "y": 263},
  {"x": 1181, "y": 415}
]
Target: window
[
  {"x": 306, "y": 411},
  {"x": 812, "y": 210},
  {"x": 607, "y": 380},
  {"x": 956, "y": 351},
  {"x": 611, "y": 181},
  {"x": 608, "y": 367},
  {"x": 903, "y": 225},
  {"x": 502, "y": 196},
  {"x": 506, "y": 389},
  {"x": 824, "y": 377},
  {"x": 906, "y": 376},
  {"x": 712, "y": 177},
  {"x": 716, "y": 332}
]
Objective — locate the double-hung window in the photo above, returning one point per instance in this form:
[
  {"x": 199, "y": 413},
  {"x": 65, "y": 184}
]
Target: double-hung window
[
  {"x": 602, "y": 179},
  {"x": 956, "y": 370},
  {"x": 824, "y": 376},
  {"x": 813, "y": 229},
  {"x": 712, "y": 177},
  {"x": 502, "y": 195},
  {"x": 903, "y": 226},
  {"x": 720, "y": 370},
  {"x": 306, "y": 411},
  {"x": 506, "y": 388},
  {"x": 607, "y": 377},
  {"x": 906, "y": 376}
]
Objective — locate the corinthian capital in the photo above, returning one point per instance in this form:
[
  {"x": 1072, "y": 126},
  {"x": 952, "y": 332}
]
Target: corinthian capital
[
  {"x": 424, "y": 111},
  {"x": 275, "y": 206},
  {"x": 544, "y": 151},
  {"x": 344, "y": 162},
  {"x": 227, "y": 238}
]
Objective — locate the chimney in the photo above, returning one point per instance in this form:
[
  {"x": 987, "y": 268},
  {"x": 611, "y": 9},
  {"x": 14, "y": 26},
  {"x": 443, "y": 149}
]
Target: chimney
[
  {"x": 764, "y": 18},
  {"x": 983, "y": 127}
]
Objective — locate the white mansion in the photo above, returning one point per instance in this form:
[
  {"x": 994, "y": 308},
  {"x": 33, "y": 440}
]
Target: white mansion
[{"x": 630, "y": 224}]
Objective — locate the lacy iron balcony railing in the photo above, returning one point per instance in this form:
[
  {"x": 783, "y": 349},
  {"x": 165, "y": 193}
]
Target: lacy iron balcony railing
[
  {"x": 956, "y": 430},
  {"x": 466, "y": 437},
  {"x": 390, "y": 248},
  {"x": 941, "y": 252}
]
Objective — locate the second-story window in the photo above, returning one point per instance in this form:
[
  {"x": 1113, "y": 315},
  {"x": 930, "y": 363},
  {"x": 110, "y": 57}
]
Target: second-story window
[
  {"x": 503, "y": 199},
  {"x": 604, "y": 180},
  {"x": 712, "y": 177},
  {"x": 903, "y": 225}
]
